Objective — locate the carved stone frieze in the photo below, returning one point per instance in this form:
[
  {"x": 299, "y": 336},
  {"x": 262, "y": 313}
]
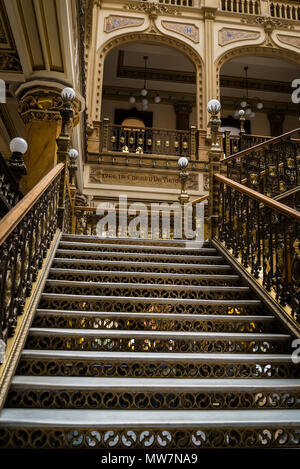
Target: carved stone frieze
[
  {"x": 190, "y": 31},
  {"x": 152, "y": 9},
  {"x": 228, "y": 35},
  {"x": 113, "y": 22},
  {"x": 290, "y": 40}
]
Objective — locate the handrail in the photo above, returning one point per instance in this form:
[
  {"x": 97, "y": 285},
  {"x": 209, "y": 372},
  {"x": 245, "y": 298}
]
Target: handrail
[
  {"x": 259, "y": 146},
  {"x": 273, "y": 204},
  {"x": 136, "y": 127},
  {"x": 17, "y": 213},
  {"x": 200, "y": 199}
]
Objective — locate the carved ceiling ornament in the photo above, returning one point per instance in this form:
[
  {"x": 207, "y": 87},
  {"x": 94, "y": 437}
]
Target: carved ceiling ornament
[
  {"x": 152, "y": 9},
  {"x": 228, "y": 35},
  {"x": 190, "y": 31},
  {"x": 268, "y": 23},
  {"x": 113, "y": 22}
]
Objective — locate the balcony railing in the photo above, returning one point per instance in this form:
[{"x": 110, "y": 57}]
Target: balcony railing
[
  {"x": 281, "y": 10},
  {"x": 125, "y": 139}
]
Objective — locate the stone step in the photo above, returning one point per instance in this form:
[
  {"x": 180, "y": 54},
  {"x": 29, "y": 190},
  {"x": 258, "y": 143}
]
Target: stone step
[
  {"x": 179, "y": 258},
  {"x": 157, "y": 341},
  {"x": 137, "y": 248},
  {"x": 143, "y": 277},
  {"x": 135, "y": 241},
  {"x": 157, "y": 321},
  {"x": 146, "y": 290},
  {"x": 157, "y": 365},
  {"x": 152, "y": 393},
  {"x": 149, "y": 304},
  {"x": 132, "y": 266}
]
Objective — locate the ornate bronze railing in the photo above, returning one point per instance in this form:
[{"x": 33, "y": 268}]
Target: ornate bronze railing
[
  {"x": 25, "y": 235},
  {"x": 10, "y": 193},
  {"x": 265, "y": 235},
  {"x": 271, "y": 167},
  {"x": 148, "y": 140}
]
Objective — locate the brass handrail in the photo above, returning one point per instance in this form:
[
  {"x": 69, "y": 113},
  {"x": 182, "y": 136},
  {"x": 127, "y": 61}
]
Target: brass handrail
[
  {"x": 258, "y": 147},
  {"x": 18, "y": 212},
  {"x": 271, "y": 203}
]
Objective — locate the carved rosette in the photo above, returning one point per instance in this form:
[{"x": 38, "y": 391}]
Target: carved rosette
[{"x": 43, "y": 105}]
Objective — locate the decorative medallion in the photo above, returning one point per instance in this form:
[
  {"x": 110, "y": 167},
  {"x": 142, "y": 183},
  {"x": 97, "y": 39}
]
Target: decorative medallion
[
  {"x": 227, "y": 35},
  {"x": 290, "y": 40},
  {"x": 185, "y": 29},
  {"x": 113, "y": 22}
]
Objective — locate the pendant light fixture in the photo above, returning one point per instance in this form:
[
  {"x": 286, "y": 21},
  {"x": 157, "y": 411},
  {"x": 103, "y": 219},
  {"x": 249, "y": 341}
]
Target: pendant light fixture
[{"x": 144, "y": 91}]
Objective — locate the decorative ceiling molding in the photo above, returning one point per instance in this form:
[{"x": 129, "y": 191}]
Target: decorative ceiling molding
[
  {"x": 154, "y": 74},
  {"x": 290, "y": 40},
  {"x": 188, "y": 30},
  {"x": 228, "y": 35},
  {"x": 256, "y": 84},
  {"x": 114, "y": 22},
  {"x": 167, "y": 97}
]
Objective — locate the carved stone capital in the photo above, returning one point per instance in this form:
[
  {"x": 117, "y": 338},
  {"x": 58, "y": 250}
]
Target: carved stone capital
[{"x": 43, "y": 105}]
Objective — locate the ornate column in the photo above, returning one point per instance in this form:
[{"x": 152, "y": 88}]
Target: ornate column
[
  {"x": 39, "y": 108},
  {"x": 210, "y": 77}
]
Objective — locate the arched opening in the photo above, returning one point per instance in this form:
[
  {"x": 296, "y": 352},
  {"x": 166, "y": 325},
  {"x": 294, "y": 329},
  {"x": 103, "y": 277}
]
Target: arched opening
[
  {"x": 262, "y": 87},
  {"x": 168, "y": 76}
]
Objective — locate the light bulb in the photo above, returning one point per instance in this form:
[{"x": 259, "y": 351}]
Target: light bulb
[
  {"x": 252, "y": 114},
  {"x": 213, "y": 106},
  {"x": 157, "y": 99},
  {"x": 132, "y": 99},
  {"x": 241, "y": 112},
  {"x": 145, "y": 107},
  {"x": 248, "y": 111},
  {"x": 18, "y": 145},
  {"x": 243, "y": 103},
  {"x": 183, "y": 162},
  {"x": 73, "y": 154},
  {"x": 144, "y": 92},
  {"x": 259, "y": 105},
  {"x": 144, "y": 102},
  {"x": 68, "y": 94}
]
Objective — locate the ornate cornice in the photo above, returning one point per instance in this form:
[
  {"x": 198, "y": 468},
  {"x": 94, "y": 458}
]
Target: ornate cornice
[
  {"x": 268, "y": 23},
  {"x": 152, "y": 9}
]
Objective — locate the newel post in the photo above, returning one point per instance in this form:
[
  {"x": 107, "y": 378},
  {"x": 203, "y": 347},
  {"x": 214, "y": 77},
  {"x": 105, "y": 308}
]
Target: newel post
[{"x": 214, "y": 157}]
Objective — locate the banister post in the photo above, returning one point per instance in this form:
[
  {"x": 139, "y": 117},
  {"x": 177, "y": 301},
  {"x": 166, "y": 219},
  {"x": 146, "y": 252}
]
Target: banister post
[
  {"x": 63, "y": 147},
  {"x": 105, "y": 133},
  {"x": 214, "y": 157}
]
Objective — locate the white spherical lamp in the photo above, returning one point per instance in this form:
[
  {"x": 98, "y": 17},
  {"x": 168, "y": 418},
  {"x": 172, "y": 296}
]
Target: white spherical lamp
[
  {"x": 241, "y": 112},
  {"x": 73, "y": 154},
  {"x": 157, "y": 99},
  {"x": 214, "y": 106},
  {"x": 144, "y": 92},
  {"x": 68, "y": 94},
  {"x": 145, "y": 102},
  {"x": 183, "y": 162},
  {"x": 243, "y": 103},
  {"x": 248, "y": 111},
  {"x": 132, "y": 99},
  {"x": 259, "y": 105},
  {"x": 18, "y": 145}
]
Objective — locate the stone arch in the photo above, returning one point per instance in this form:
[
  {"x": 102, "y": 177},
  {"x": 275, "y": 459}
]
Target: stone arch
[
  {"x": 264, "y": 51},
  {"x": 153, "y": 38}
]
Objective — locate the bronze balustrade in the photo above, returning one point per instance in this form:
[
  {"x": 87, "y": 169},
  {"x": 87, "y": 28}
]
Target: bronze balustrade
[
  {"x": 26, "y": 232},
  {"x": 265, "y": 235}
]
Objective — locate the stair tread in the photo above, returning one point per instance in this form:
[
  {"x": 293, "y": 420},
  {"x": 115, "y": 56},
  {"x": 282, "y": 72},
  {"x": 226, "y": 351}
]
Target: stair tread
[
  {"x": 138, "y": 246},
  {"x": 150, "y": 286},
  {"x": 79, "y": 418},
  {"x": 149, "y": 264},
  {"x": 157, "y": 356},
  {"x": 138, "y": 255},
  {"x": 149, "y": 299},
  {"x": 155, "y": 384},
  {"x": 119, "y": 239},
  {"x": 191, "y": 317},
  {"x": 156, "y": 334},
  {"x": 57, "y": 270}
]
